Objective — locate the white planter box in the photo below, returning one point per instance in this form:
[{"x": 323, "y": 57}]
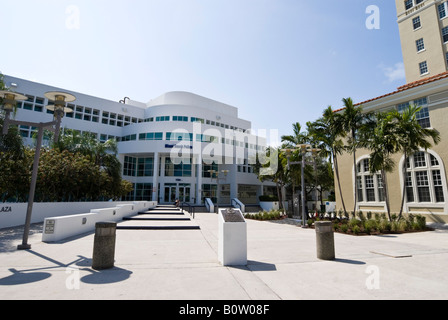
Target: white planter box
[
  {"x": 232, "y": 242},
  {"x": 269, "y": 205}
]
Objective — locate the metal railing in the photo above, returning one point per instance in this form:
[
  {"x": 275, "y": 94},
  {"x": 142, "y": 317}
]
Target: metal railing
[
  {"x": 191, "y": 208},
  {"x": 235, "y": 203}
]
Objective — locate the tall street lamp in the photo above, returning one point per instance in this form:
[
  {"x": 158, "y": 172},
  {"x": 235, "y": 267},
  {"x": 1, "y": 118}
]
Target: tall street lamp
[
  {"x": 59, "y": 108},
  {"x": 304, "y": 148}
]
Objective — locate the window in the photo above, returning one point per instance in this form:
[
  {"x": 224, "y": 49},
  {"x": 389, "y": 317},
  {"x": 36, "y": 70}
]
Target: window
[
  {"x": 209, "y": 191},
  {"x": 179, "y": 136},
  {"x": 129, "y": 166},
  {"x": 145, "y": 167},
  {"x": 424, "y": 180},
  {"x": 151, "y": 136},
  {"x": 445, "y": 34},
  {"x": 180, "y": 118},
  {"x": 370, "y": 188},
  {"x": 143, "y": 192},
  {"x": 423, "y": 117},
  {"x": 408, "y": 4},
  {"x": 420, "y": 45},
  {"x": 442, "y": 10},
  {"x": 369, "y": 185},
  {"x": 193, "y": 119},
  {"x": 207, "y": 167},
  {"x": 416, "y": 23},
  {"x": 183, "y": 169},
  {"x": 423, "y": 68},
  {"x": 162, "y": 118}
]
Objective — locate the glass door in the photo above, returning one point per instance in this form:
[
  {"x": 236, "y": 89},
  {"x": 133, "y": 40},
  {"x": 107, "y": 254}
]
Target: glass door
[
  {"x": 170, "y": 193},
  {"x": 184, "y": 192}
]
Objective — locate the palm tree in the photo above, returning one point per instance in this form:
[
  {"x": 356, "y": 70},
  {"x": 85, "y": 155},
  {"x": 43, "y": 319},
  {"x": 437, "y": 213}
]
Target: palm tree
[
  {"x": 291, "y": 141},
  {"x": 354, "y": 120},
  {"x": 327, "y": 132},
  {"x": 411, "y": 138},
  {"x": 381, "y": 140},
  {"x": 298, "y": 137}
]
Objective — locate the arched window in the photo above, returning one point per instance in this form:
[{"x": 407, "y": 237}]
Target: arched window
[
  {"x": 425, "y": 178},
  {"x": 369, "y": 185}
]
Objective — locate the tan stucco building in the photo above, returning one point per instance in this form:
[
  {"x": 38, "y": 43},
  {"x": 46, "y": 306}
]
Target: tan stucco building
[
  {"x": 426, "y": 181},
  {"x": 423, "y": 26}
]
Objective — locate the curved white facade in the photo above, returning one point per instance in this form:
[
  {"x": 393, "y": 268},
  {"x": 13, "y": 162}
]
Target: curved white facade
[{"x": 167, "y": 146}]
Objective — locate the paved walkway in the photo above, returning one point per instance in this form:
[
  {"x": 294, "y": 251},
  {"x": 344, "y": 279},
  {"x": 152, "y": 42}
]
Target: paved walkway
[{"x": 183, "y": 265}]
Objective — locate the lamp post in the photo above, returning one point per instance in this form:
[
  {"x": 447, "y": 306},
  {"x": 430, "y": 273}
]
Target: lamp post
[
  {"x": 213, "y": 172},
  {"x": 304, "y": 148},
  {"x": 59, "y": 109}
]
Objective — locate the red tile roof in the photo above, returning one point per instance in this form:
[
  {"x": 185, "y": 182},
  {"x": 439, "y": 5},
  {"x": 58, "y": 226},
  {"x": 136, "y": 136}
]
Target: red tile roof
[{"x": 406, "y": 87}]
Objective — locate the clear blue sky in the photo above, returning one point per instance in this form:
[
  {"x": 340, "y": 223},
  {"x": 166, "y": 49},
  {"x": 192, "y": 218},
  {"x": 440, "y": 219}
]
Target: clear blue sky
[{"x": 278, "y": 61}]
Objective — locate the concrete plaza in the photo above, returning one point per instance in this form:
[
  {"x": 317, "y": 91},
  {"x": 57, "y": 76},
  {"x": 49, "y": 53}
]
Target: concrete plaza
[{"x": 183, "y": 265}]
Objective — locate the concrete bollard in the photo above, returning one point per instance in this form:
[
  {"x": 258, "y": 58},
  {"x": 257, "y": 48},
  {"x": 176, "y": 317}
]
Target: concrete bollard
[
  {"x": 104, "y": 245},
  {"x": 325, "y": 240}
]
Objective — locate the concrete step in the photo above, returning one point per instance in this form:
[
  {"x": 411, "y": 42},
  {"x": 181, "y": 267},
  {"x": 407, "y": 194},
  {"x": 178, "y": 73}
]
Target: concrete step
[{"x": 166, "y": 218}]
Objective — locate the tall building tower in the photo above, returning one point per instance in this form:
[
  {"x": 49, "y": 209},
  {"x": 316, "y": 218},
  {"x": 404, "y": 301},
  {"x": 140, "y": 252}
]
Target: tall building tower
[{"x": 423, "y": 26}]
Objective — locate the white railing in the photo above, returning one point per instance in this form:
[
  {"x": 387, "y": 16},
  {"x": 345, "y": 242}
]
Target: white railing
[
  {"x": 209, "y": 205},
  {"x": 236, "y": 203}
]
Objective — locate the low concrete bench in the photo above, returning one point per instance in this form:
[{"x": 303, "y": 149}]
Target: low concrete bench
[{"x": 60, "y": 228}]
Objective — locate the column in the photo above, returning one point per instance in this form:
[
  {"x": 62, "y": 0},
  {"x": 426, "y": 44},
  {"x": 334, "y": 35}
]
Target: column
[{"x": 155, "y": 179}]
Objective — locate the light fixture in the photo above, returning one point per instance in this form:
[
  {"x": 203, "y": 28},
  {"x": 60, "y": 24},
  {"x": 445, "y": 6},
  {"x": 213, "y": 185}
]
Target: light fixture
[
  {"x": 60, "y": 99},
  {"x": 59, "y": 108},
  {"x": 10, "y": 99}
]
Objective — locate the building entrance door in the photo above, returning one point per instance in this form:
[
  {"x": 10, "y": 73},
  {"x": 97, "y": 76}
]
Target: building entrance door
[
  {"x": 170, "y": 193},
  {"x": 184, "y": 192},
  {"x": 175, "y": 191}
]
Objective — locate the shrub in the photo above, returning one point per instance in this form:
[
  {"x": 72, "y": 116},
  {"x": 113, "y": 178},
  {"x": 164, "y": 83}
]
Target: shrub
[
  {"x": 268, "y": 198},
  {"x": 354, "y": 222},
  {"x": 344, "y": 227},
  {"x": 370, "y": 226},
  {"x": 356, "y": 229},
  {"x": 420, "y": 222},
  {"x": 384, "y": 226}
]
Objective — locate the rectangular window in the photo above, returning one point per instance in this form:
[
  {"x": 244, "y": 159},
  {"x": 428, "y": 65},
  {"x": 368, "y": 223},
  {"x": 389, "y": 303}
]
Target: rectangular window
[
  {"x": 145, "y": 167},
  {"x": 423, "y": 68},
  {"x": 445, "y": 34},
  {"x": 423, "y": 186},
  {"x": 381, "y": 197},
  {"x": 442, "y": 10},
  {"x": 143, "y": 192},
  {"x": 370, "y": 188},
  {"x": 183, "y": 169},
  {"x": 408, "y": 4},
  {"x": 438, "y": 188},
  {"x": 420, "y": 45},
  {"x": 162, "y": 118},
  {"x": 416, "y": 23},
  {"x": 409, "y": 188},
  {"x": 419, "y": 159},
  {"x": 129, "y": 166}
]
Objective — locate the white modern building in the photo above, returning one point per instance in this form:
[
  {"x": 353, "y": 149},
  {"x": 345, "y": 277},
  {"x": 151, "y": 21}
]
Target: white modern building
[{"x": 167, "y": 146}]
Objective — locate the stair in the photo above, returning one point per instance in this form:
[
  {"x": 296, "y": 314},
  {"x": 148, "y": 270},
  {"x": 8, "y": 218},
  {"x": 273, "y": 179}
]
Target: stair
[{"x": 162, "y": 217}]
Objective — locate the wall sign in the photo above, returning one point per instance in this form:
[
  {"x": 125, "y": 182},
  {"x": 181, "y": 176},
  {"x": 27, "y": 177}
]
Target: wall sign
[{"x": 5, "y": 209}]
